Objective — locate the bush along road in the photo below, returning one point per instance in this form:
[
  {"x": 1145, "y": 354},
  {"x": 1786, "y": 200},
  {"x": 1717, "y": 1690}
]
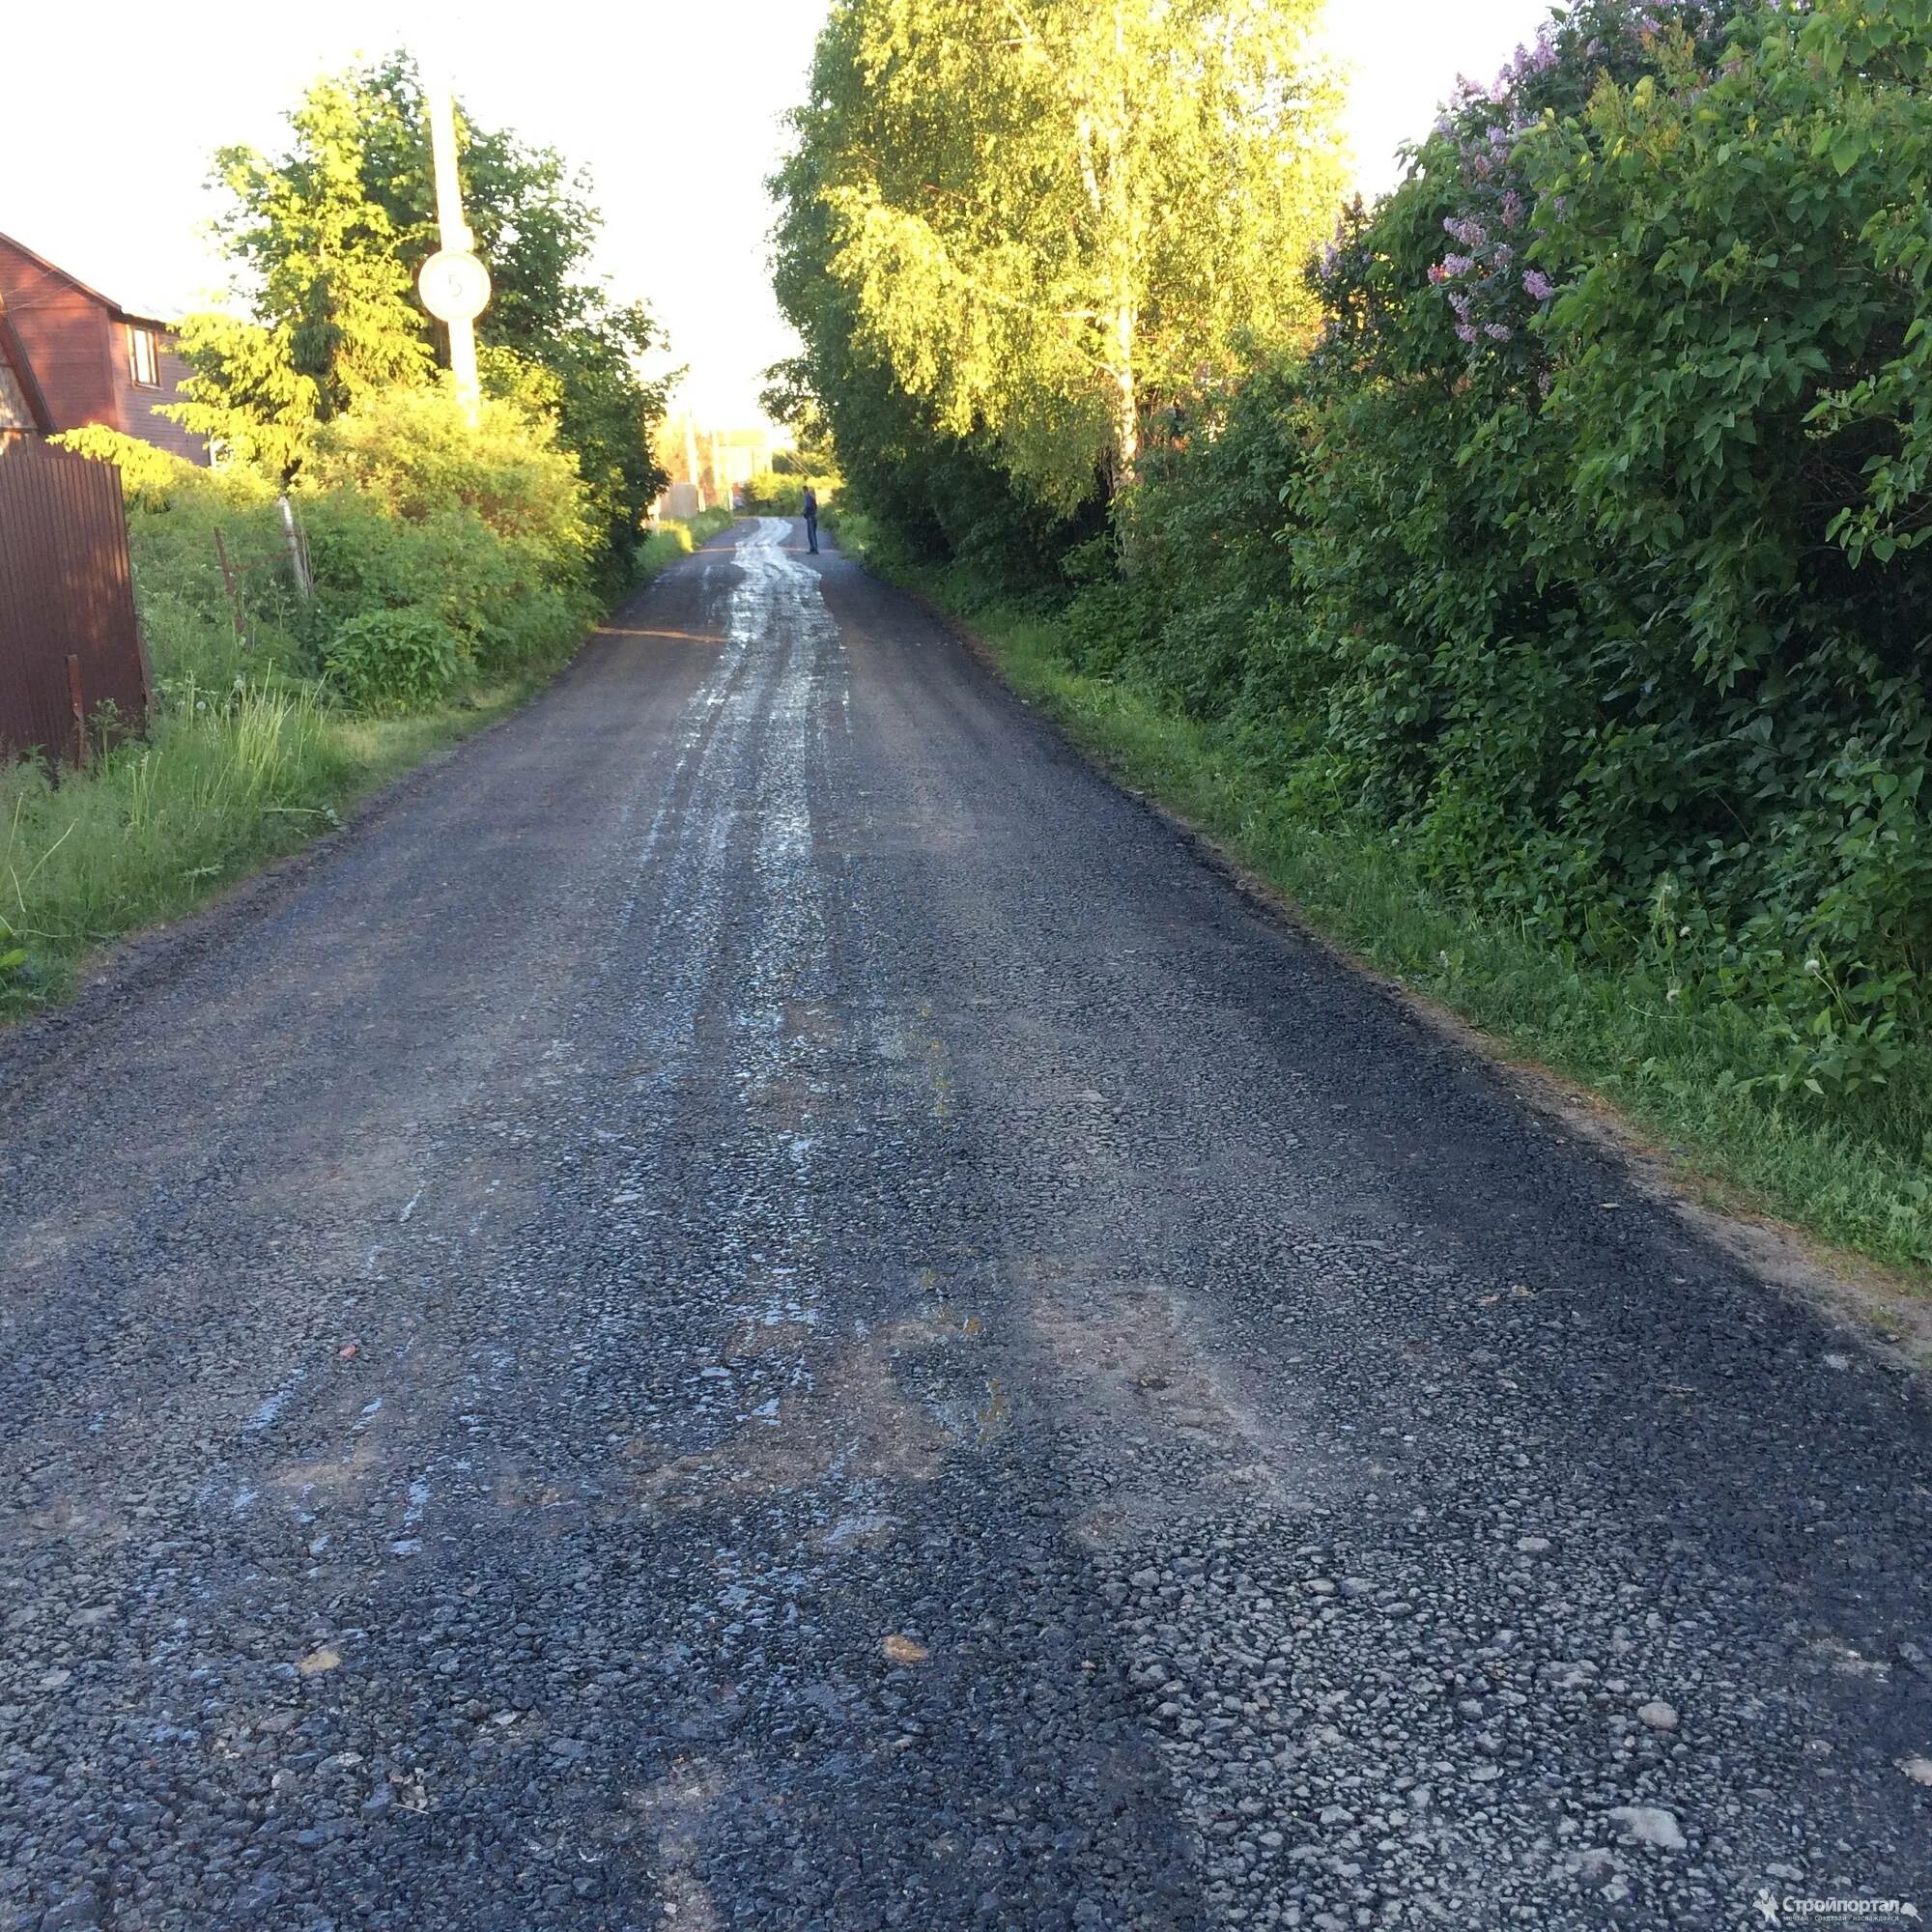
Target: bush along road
[{"x": 763, "y": 1304}]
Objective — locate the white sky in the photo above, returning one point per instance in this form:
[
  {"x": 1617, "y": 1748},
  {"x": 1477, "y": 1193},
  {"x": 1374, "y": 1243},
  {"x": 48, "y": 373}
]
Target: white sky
[{"x": 673, "y": 108}]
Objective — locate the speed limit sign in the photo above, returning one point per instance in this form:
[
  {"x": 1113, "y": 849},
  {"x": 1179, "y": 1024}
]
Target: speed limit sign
[{"x": 455, "y": 285}]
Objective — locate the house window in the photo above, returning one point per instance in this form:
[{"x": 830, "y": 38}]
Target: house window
[{"x": 142, "y": 363}]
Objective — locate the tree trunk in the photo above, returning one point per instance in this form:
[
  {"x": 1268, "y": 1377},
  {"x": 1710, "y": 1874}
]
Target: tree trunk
[{"x": 1127, "y": 398}]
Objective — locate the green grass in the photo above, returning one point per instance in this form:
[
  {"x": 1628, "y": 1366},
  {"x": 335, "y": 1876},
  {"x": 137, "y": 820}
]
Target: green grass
[
  {"x": 1853, "y": 1173},
  {"x": 247, "y": 762},
  {"x": 672, "y": 540}
]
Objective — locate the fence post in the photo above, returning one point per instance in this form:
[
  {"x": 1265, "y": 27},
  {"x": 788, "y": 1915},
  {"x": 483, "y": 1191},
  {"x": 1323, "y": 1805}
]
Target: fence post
[
  {"x": 233, "y": 594},
  {"x": 297, "y": 550},
  {"x": 80, "y": 711},
  {"x": 147, "y": 674}
]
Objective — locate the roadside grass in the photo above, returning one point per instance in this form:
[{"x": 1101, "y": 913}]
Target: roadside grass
[
  {"x": 236, "y": 772},
  {"x": 1853, "y": 1170},
  {"x": 671, "y": 540}
]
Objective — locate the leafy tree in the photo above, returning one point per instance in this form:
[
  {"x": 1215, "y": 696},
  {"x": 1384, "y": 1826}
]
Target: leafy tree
[
  {"x": 1045, "y": 219},
  {"x": 245, "y": 393},
  {"x": 535, "y": 225},
  {"x": 329, "y": 237},
  {"x": 788, "y": 398},
  {"x": 334, "y": 315}
]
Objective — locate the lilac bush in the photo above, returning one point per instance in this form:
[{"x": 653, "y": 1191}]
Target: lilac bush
[{"x": 1493, "y": 286}]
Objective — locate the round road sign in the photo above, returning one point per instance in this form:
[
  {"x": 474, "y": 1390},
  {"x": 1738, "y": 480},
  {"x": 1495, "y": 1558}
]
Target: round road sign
[{"x": 455, "y": 287}]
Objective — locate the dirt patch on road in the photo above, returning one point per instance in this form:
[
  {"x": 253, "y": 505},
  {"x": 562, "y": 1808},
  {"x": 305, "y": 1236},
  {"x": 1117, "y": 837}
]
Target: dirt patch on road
[{"x": 1139, "y": 1374}]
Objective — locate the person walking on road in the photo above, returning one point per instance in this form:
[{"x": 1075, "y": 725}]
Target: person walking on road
[{"x": 812, "y": 520}]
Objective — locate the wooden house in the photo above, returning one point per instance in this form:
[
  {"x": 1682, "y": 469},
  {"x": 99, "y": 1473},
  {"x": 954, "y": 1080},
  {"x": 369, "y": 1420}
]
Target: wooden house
[{"x": 70, "y": 356}]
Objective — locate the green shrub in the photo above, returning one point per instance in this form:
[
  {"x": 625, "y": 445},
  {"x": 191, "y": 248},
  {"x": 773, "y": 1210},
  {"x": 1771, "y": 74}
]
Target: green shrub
[
  {"x": 769, "y": 495},
  {"x": 412, "y": 452},
  {"x": 1585, "y": 555},
  {"x": 399, "y": 660},
  {"x": 1604, "y": 586},
  {"x": 151, "y": 477},
  {"x": 677, "y": 537}
]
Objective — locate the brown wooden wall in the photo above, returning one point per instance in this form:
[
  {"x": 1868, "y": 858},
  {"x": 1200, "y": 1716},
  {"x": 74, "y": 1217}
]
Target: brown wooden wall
[
  {"x": 77, "y": 347},
  {"x": 68, "y": 337},
  {"x": 68, "y": 639},
  {"x": 137, "y": 406}
]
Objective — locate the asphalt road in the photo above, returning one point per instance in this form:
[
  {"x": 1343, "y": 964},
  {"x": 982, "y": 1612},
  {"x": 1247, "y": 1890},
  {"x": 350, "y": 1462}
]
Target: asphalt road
[{"x": 759, "y": 1303}]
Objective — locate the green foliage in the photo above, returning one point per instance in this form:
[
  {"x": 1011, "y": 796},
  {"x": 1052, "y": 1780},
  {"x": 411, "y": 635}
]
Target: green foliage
[
  {"x": 322, "y": 256},
  {"x": 412, "y": 452},
  {"x": 497, "y": 600},
  {"x": 980, "y": 243},
  {"x": 1625, "y": 661},
  {"x": 245, "y": 394},
  {"x": 771, "y": 495},
  {"x": 151, "y": 477},
  {"x": 153, "y": 827},
  {"x": 404, "y": 509},
  {"x": 677, "y": 537},
  {"x": 329, "y": 237},
  {"x": 392, "y": 660},
  {"x": 334, "y": 317},
  {"x": 1583, "y": 555},
  {"x": 787, "y": 397}
]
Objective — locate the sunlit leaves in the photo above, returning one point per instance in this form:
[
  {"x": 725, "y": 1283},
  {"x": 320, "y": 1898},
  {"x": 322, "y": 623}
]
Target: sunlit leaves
[{"x": 1040, "y": 222}]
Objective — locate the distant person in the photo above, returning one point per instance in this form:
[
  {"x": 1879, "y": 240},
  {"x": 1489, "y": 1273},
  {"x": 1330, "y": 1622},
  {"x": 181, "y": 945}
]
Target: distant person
[{"x": 812, "y": 520}]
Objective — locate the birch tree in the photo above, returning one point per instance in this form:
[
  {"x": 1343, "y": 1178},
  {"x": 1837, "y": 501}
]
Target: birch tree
[{"x": 1047, "y": 217}]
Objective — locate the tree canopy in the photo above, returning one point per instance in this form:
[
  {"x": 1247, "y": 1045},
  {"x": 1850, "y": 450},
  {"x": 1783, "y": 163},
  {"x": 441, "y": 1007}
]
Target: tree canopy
[
  {"x": 1028, "y": 226},
  {"x": 327, "y": 237}
]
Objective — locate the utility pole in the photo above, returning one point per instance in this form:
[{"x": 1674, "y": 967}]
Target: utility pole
[{"x": 455, "y": 285}]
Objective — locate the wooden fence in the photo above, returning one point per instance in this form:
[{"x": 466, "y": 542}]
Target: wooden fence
[{"x": 69, "y": 644}]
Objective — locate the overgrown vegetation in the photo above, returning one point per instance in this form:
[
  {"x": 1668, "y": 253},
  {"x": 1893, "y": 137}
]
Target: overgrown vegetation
[
  {"x": 673, "y": 539},
  {"x": 327, "y": 239},
  {"x": 781, "y": 492},
  {"x": 452, "y": 565},
  {"x": 1549, "y": 621},
  {"x": 445, "y": 588}
]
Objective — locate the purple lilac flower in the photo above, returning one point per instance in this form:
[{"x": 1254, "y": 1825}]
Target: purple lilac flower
[
  {"x": 1512, "y": 209},
  {"x": 1464, "y": 332},
  {"x": 1497, "y": 331},
  {"x": 1537, "y": 285}
]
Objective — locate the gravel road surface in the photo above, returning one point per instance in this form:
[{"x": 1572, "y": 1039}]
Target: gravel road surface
[{"x": 762, "y": 1303}]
